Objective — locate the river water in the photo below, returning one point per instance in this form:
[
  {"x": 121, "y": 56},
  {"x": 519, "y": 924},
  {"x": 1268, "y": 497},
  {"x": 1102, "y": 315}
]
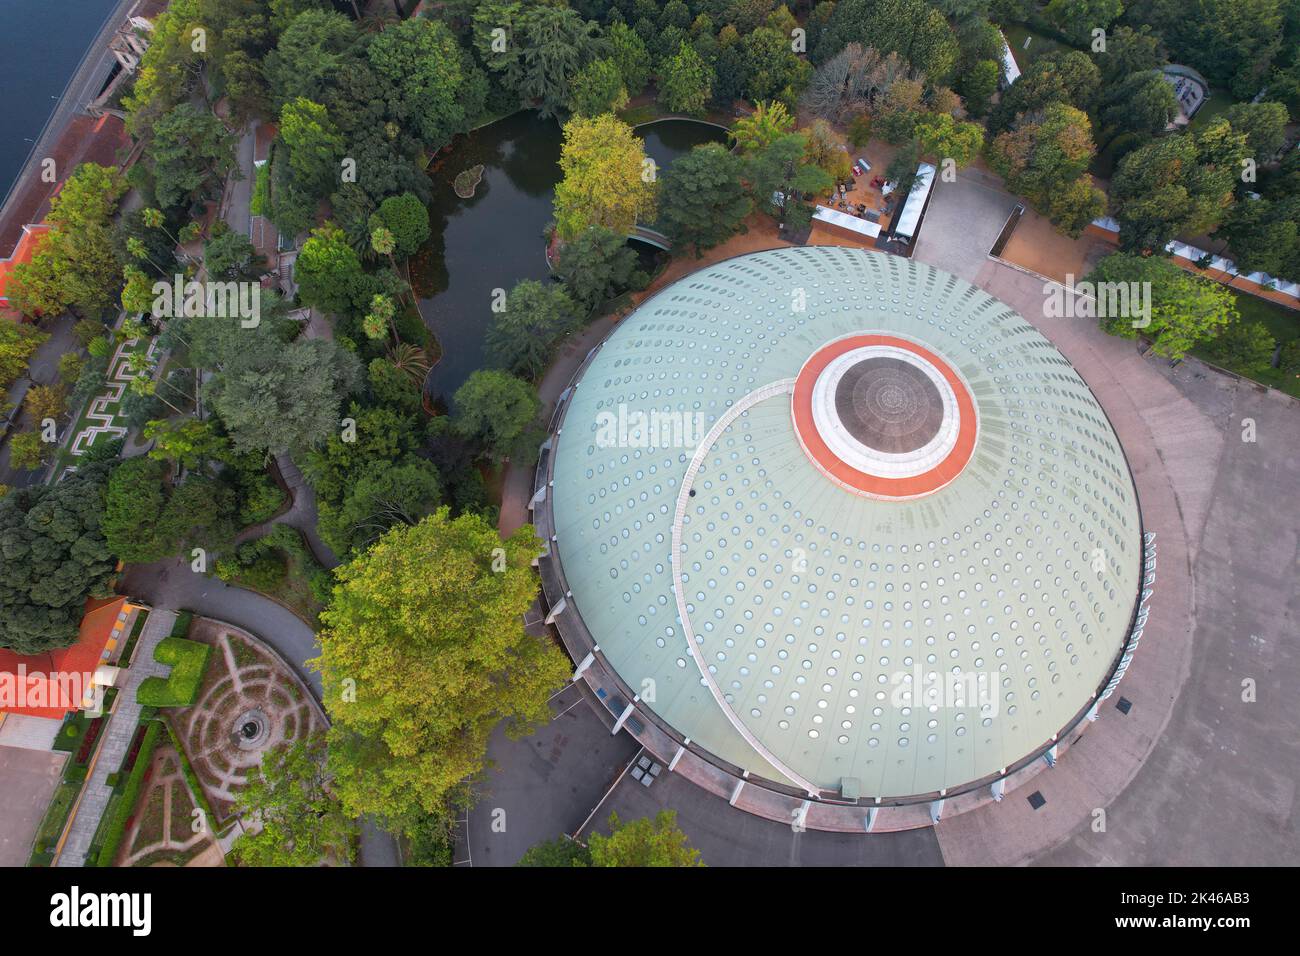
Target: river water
[{"x": 41, "y": 45}]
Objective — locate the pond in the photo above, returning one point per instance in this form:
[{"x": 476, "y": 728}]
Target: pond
[{"x": 495, "y": 238}]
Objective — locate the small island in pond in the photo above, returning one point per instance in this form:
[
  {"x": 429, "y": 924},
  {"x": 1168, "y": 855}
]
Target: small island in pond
[{"x": 467, "y": 181}]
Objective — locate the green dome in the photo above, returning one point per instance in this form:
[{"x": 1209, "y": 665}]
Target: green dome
[{"x": 909, "y": 541}]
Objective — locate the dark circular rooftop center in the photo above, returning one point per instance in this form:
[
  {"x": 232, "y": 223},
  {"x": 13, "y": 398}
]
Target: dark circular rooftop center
[{"x": 889, "y": 405}]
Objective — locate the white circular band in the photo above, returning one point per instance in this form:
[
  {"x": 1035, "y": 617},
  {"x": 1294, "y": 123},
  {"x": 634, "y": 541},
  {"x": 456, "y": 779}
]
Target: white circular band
[{"x": 872, "y": 461}]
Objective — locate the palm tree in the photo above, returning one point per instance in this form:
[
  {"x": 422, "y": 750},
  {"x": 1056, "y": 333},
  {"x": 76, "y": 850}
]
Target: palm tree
[
  {"x": 384, "y": 243},
  {"x": 382, "y": 309},
  {"x": 410, "y": 361}
]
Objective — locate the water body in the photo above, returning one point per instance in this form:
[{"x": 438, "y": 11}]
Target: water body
[
  {"x": 41, "y": 46},
  {"x": 495, "y": 239}
]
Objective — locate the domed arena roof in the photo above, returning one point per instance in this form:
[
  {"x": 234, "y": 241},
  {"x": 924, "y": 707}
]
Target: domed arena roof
[{"x": 845, "y": 521}]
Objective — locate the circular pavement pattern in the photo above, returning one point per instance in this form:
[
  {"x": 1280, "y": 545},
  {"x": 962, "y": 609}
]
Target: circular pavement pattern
[{"x": 908, "y": 542}]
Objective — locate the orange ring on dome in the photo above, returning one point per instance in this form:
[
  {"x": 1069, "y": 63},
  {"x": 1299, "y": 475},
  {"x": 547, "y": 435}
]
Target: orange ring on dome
[{"x": 858, "y": 481}]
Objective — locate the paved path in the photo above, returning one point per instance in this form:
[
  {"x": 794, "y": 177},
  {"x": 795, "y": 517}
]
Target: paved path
[
  {"x": 118, "y": 732},
  {"x": 1192, "y": 774}
]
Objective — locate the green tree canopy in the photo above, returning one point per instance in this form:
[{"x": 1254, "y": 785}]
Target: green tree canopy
[
  {"x": 285, "y": 400},
  {"x": 703, "y": 202},
  {"x": 522, "y": 337},
  {"x": 494, "y": 410},
  {"x": 1185, "y": 309},
  {"x": 420, "y": 668},
  {"x": 605, "y": 181},
  {"x": 644, "y": 842},
  {"x": 52, "y": 557},
  {"x": 595, "y": 265},
  {"x": 302, "y": 823}
]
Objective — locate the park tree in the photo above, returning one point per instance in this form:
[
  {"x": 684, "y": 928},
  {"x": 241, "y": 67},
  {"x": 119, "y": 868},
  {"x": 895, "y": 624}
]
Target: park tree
[
  {"x": 285, "y": 399},
  {"x": 598, "y": 88},
  {"x": 1264, "y": 125},
  {"x": 1264, "y": 235},
  {"x": 1078, "y": 18},
  {"x": 1046, "y": 161},
  {"x": 1141, "y": 103},
  {"x": 189, "y": 155},
  {"x": 685, "y": 82},
  {"x": 550, "y": 44},
  {"x": 75, "y": 263},
  {"x": 329, "y": 272},
  {"x": 1166, "y": 189},
  {"x": 913, "y": 29},
  {"x": 311, "y": 50},
  {"x": 1069, "y": 77},
  {"x": 596, "y": 265},
  {"x": 380, "y": 434},
  {"x": 779, "y": 168},
  {"x": 605, "y": 180},
  {"x": 768, "y": 123},
  {"x": 629, "y": 53},
  {"x": 46, "y": 401},
  {"x": 524, "y": 333},
  {"x": 386, "y": 494},
  {"x": 407, "y": 218},
  {"x": 645, "y": 842},
  {"x": 943, "y": 137},
  {"x": 29, "y": 451},
  {"x": 18, "y": 343},
  {"x": 52, "y": 557},
  {"x": 703, "y": 202},
  {"x": 1186, "y": 309},
  {"x": 560, "y": 852},
  {"x": 1130, "y": 50},
  {"x": 434, "y": 86},
  {"x": 314, "y": 142},
  {"x": 978, "y": 85},
  {"x": 494, "y": 411},
  {"x": 187, "y": 442},
  {"x": 133, "y": 507},
  {"x": 772, "y": 69},
  {"x": 419, "y": 669},
  {"x": 230, "y": 255},
  {"x": 300, "y": 821}
]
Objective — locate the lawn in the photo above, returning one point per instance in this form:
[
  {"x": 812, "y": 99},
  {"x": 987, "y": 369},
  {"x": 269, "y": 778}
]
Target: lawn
[
  {"x": 1039, "y": 44},
  {"x": 188, "y": 660},
  {"x": 1216, "y": 104},
  {"x": 1282, "y": 323}
]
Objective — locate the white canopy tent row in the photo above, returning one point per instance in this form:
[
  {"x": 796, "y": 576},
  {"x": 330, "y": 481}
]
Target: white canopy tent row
[{"x": 1219, "y": 263}]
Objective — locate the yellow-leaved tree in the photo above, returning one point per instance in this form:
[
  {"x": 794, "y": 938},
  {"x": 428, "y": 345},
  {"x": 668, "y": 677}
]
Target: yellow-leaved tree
[
  {"x": 423, "y": 653},
  {"x": 607, "y": 179}
]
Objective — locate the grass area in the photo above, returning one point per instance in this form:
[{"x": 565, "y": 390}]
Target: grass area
[
  {"x": 1282, "y": 323},
  {"x": 56, "y": 814},
  {"x": 280, "y": 565},
  {"x": 1039, "y": 44},
  {"x": 118, "y": 814},
  {"x": 1217, "y": 103},
  {"x": 188, "y": 660},
  {"x": 124, "y": 659}
]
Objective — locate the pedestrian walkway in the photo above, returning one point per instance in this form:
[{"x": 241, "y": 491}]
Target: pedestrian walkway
[{"x": 118, "y": 734}]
